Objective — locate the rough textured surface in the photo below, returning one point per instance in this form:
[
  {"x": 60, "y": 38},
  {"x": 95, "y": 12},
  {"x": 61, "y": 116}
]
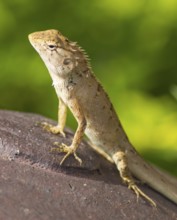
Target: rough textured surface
[{"x": 34, "y": 186}]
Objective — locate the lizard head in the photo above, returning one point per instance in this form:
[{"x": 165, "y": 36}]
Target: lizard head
[{"x": 59, "y": 54}]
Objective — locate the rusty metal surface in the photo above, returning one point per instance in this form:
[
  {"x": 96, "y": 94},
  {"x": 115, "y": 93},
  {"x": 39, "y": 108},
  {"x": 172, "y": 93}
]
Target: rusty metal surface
[{"x": 34, "y": 186}]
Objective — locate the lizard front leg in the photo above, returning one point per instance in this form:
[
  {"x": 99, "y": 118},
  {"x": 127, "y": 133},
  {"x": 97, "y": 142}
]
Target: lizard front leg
[
  {"x": 62, "y": 114},
  {"x": 121, "y": 162},
  {"x": 78, "y": 114}
]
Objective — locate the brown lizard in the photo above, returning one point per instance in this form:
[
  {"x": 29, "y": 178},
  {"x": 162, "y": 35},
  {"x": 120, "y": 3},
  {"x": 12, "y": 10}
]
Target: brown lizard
[{"x": 78, "y": 89}]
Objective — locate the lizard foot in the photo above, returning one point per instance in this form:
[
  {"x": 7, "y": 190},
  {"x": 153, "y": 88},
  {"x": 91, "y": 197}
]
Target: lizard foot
[
  {"x": 68, "y": 150},
  {"x": 138, "y": 192},
  {"x": 53, "y": 129},
  {"x": 122, "y": 165}
]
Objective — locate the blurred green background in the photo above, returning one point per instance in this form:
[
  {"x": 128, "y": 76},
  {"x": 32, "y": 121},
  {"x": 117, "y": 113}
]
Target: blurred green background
[{"x": 133, "y": 49}]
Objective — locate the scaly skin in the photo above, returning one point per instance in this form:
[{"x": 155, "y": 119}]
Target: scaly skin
[{"x": 78, "y": 89}]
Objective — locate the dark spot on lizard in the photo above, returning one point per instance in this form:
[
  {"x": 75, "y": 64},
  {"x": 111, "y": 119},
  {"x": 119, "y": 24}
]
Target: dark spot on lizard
[
  {"x": 145, "y": 166},
  {"x": 70, "y": 83},
  {"x": 111, "y": 107},
  {"x": 66, "y": 40},
  {"x": 162, "y": 180},
  {"x": 85, "y": 71},
  {"x": 110, "y": 117},
  {"x": 98, "y": 90},
  {"x": 132, "y": 150},
  {"x": 99, "y": 87},
  {"x": 79, "y": 74},
  {"x": 117, "y": 129}
]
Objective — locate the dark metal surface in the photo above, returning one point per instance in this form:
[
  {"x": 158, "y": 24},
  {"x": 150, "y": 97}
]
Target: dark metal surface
[{"x": 34, "y": 186}]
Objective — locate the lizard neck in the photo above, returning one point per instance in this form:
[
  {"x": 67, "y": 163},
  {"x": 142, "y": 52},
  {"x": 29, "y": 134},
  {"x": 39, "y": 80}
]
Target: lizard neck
[{"x": 80, "y": 69}]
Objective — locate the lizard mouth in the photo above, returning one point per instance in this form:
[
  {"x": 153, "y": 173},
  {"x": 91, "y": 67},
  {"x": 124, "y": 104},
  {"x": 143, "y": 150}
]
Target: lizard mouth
[{"x": 30, "y": 37}]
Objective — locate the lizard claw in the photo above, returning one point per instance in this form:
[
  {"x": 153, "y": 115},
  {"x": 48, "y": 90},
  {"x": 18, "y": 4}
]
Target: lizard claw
[
  {"x": 53, "y": 129},
  {"x": 68, "y": 150},
  {"x": 139, "y": 192}
]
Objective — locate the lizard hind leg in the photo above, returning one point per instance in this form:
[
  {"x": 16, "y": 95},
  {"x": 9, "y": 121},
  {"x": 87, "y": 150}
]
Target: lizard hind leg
[{"x": 122, "y": 165}]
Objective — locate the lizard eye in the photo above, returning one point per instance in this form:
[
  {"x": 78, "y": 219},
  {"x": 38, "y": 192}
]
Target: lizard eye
[{"x": 52, "y": 46}]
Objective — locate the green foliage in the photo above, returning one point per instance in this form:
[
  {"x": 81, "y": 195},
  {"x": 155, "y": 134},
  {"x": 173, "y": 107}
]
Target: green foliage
[{"x": 133, "y": 50}]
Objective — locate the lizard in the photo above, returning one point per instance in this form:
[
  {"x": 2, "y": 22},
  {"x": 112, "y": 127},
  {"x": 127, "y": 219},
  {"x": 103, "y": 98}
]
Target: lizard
[{"x": 78, "y": 89}]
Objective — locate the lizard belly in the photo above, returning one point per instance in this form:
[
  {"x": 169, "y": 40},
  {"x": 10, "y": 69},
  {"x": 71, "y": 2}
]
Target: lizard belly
[{"x": 103, "y": 126}]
